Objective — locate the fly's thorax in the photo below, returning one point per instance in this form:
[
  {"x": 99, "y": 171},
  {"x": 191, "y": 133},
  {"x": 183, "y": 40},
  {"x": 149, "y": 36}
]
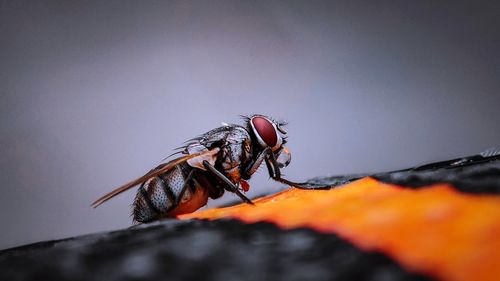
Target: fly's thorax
[{"x": 235, "y": 153}]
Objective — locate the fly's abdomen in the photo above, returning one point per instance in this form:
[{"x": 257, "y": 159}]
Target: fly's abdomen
[
  {"x": 151, "y": 200},
  {"x": 156, "y": 196},
  {"x": 162, "y": 195}
]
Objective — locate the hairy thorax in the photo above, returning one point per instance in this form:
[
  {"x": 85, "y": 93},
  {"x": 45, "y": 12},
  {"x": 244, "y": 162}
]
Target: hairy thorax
[{"x": 235, "y": 153}]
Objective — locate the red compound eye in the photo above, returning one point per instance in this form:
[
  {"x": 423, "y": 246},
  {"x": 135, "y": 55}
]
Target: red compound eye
[{"x": 265, "y": 130}]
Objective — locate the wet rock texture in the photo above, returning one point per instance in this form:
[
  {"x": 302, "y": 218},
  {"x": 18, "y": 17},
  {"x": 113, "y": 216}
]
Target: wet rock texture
[{"x": 200, "y": 250}]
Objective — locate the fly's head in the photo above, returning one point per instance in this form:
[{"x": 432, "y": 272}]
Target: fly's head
[{"x": 270, "y": 134}]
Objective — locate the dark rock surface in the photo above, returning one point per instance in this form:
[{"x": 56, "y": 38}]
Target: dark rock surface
[
  {"x": 474, "y": 174},
  {"x": 231, "y": 250},
  {"x": 200, "y": 250},
  {"x": 483, "y": 178}
]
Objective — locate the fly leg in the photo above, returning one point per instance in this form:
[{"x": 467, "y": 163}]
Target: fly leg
[
  {"x": 251, "y": 169},
  {"x": 275, "y": 173},
  {"x": 228, "y": 185}
]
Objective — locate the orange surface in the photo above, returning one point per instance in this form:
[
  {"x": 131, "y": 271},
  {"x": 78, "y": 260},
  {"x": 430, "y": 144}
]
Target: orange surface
[{"x": 436, "y": 231}]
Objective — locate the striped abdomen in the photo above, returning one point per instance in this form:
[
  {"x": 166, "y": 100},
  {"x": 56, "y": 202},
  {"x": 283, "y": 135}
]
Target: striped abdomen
[{"x": 168, "y": 195}]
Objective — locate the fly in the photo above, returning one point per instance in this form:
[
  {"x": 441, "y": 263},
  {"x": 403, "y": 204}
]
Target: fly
[{"x": 220, "y": 160}]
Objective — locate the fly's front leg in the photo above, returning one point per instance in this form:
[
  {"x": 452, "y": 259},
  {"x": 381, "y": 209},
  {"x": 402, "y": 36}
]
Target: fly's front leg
[
  {"x": 250, "y": 170},
  {"x": 270, "y": 168},
  {"x": 275, "y": 174},
  {"x": 228, "y": 185}
]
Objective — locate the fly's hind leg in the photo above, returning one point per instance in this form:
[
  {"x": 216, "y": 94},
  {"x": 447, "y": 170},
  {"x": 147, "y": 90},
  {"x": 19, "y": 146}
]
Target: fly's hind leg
[{"x": 228, "y": 185}]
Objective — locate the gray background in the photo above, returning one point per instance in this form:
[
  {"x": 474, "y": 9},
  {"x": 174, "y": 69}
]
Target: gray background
[{"x": 95, "y": 93}]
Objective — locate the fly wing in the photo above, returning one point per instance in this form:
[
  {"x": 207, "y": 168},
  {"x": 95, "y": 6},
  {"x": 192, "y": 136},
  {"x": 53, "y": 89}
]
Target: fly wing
[{"x": 162, "y": 169}]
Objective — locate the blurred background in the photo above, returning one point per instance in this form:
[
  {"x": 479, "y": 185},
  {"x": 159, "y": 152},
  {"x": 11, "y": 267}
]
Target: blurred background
[{"x": 95, "y": 93}]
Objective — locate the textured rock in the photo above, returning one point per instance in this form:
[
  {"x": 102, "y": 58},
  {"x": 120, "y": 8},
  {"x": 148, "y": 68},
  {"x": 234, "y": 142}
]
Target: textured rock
[
  {"x": 200, "y": 250},
  {"x": 436, "y": 230},
  {"x": 335, "y": 241},
  {"x": 480, "y": 177},
  {"x": 441, "y": 219}
]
